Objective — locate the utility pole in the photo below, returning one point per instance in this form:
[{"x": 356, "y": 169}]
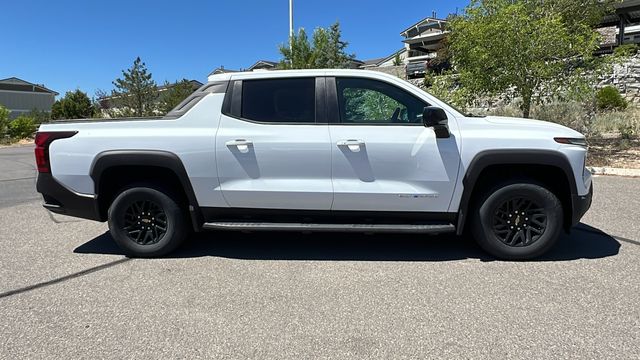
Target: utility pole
[{"x": 290, "y": 24}]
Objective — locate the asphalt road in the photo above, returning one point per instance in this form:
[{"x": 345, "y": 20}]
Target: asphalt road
[
  {"x": 17, "y": 176},
  {"x": 67, "y": 292}
]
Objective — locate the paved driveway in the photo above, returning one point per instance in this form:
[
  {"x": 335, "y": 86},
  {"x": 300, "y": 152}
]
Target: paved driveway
[{"x": 67, "y": 292}]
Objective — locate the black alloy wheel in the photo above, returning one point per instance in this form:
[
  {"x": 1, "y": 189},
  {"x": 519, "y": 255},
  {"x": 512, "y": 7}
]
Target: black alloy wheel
[
  {"x": 519, "y": 222},
  {"x": 517, "y": 219},
  {"x": 145, "y": 222}
]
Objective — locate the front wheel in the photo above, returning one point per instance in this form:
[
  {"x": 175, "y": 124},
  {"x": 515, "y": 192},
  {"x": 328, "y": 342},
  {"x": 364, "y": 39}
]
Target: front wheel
[
  {"x": 146, "y": 222},
  {"x": 517, "y": 221}
]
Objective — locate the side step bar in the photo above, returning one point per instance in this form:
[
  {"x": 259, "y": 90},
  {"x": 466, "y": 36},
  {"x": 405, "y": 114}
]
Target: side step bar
[{"x": 377, "y": 228}]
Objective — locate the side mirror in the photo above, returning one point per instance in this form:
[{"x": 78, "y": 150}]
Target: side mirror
[{"x": 436, "y": 118}]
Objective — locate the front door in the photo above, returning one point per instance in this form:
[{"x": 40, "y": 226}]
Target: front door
[
  {"x": 383, "y": 158},
  {"x": 270, "y": 152}
]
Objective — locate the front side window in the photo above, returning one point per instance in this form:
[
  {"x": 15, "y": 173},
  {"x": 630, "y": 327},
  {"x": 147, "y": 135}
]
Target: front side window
[
  {"x": 279, "y": 100},
  {"x": 367, "y": 101}
]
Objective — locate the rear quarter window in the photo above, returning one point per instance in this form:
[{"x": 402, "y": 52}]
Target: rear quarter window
[{"x": 279, "y": 100}]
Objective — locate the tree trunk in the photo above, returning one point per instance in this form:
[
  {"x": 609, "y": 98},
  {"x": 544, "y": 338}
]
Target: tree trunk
[{"x": 526, "y": 103}]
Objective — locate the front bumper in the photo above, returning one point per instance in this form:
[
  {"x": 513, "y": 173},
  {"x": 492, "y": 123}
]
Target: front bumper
[
  {"x": 60, "y": 200},
  {"x": 580, "y": 205}
]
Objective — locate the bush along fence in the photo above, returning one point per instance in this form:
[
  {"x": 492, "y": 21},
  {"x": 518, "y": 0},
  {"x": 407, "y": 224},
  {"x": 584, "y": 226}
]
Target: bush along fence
[{"x": 24, "y": 126}]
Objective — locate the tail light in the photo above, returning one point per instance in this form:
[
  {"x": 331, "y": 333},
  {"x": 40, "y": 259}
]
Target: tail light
[{"x": 43, "y": 140}]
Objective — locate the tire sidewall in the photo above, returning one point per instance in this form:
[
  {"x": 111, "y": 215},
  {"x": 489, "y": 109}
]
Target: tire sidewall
[
  {"x": 484, "y": 229},
  {"x": 175, "y": 222}
]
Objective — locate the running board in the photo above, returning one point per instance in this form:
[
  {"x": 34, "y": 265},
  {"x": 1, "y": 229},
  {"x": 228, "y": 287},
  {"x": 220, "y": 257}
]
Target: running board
[{"x": 377, "y": 228}]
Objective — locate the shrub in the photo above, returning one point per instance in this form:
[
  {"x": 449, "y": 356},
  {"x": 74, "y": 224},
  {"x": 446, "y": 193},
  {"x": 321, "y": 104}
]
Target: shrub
[
  {"x": 427, "y": 82},
  {"x": 626, "y": 50},
  {"x": 4, "y": 120},
  {"x": 627, "y": 131},
  {"x": 609, "y": 98},
  {"x": 572, "y": 114},
  {"x": 22, "y": 127}
]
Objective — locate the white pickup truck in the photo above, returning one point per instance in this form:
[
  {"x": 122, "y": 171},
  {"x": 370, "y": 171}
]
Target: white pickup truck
[{"x": 317, "y": 150}]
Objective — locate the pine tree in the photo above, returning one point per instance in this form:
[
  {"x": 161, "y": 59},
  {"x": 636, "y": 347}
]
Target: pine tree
[
  {"x": 135, "y": 94},
  {"x": 326, "y": 50},
  {"x": 174, "y": 95}
]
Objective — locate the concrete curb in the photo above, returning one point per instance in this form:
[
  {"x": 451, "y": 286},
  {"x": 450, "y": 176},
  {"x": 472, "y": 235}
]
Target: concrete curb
[{"x": 597, "y": 170}]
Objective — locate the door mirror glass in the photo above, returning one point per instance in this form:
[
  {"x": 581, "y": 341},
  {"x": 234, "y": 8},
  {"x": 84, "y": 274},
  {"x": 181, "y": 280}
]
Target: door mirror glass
[
  {"x": 436, "y": 118},
  {"x": 432, "y": 116}
]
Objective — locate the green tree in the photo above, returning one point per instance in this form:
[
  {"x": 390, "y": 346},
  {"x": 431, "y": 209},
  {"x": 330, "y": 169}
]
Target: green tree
[
  {"x": 74, "y": 105},
  {"x": 300, "y": 54},
  {"x": 396, "y": 60},
  {"x": 4, "y": 120},
  {"x": 136, "y": 92},
  {"x": 174, "y": 95},
  {"x": 326, "y": 50},
  {"x": 529, "y": 46}
]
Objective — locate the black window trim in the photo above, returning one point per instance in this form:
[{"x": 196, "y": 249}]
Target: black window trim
[
  {"x": 333, "y": 107},
  {"x": 232, "y": 103}
]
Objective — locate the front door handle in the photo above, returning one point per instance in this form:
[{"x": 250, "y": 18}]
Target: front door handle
[
  {"x": 353, "y": 145},
  {"x": 241, "y": 144}
]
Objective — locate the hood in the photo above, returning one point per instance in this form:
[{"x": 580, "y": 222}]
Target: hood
[{"x": 534, "y": 124}]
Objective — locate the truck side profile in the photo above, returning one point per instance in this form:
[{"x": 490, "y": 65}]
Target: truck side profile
[{"x": 317, "y": 150}]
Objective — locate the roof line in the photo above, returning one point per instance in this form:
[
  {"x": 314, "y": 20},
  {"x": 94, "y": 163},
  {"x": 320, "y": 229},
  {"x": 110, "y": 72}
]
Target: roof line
[
  {"x": 32, "y": 84},
  {"x": 421, "y": 21}
]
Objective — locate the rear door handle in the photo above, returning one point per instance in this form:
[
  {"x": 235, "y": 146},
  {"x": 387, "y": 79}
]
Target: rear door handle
[
  {"x": 241, "y": 144},
  {"x": 352, "y": 144}
]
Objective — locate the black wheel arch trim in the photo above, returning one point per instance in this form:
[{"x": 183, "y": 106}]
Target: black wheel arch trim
[
  {"x": 156, "y": 158},
  {"x": 487, "y": 158}
]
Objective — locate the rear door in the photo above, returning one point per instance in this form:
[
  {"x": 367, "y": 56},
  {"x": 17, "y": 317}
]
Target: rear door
[
  {"x": 272, "y": 149},
  {"x": 383, "y": 157}
]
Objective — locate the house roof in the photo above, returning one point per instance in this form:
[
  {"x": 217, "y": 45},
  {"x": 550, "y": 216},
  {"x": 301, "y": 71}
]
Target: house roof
[
  {"x": 222, "y": 70},
  {"x": 424, "y": 23},
  {"x": 16, "y": 84},
  {"x": 372, "y": 61},
  {"x": 378, "y": 61},
  {"x": 194, "y": 83},
  {"x": 262, "y": 64},
  {"x": 627, "y": 10}
]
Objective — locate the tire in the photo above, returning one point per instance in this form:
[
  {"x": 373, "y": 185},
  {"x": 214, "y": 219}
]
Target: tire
[
  {"x": 517, "y": 221},
  {"x": 162, "y": 227}
]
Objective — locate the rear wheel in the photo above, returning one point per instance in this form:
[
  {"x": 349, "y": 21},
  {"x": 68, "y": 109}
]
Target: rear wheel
[
  {"x": 517, "y": 221},
  {"x": 146, "y": 222}
]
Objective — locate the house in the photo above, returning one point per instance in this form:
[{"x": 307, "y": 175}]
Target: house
[
  {"x": 422, "y": 41},
  {"x": 21, "y": 97},
  {"x": 222, "y": 70},
  {"x": 620, "y": 27},
  {"x": 386, "y": 61},
  {"x": 263, "y": 65},
  {"x": 258, "y": 65}
]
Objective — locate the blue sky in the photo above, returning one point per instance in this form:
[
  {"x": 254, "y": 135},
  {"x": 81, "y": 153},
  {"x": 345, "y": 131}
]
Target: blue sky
[{"x": 85, "y": 44}]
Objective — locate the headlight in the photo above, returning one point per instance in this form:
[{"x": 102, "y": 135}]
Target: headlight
[{"x": 572, "y": 141}]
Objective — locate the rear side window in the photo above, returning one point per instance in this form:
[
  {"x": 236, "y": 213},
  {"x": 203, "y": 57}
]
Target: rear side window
[{"x": 279, "y": 100}]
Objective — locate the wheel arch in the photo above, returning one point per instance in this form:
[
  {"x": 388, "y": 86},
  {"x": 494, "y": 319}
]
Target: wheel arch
[
  {"x": 551, "y": 168},
  {"x": 131, "y": 166}
]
